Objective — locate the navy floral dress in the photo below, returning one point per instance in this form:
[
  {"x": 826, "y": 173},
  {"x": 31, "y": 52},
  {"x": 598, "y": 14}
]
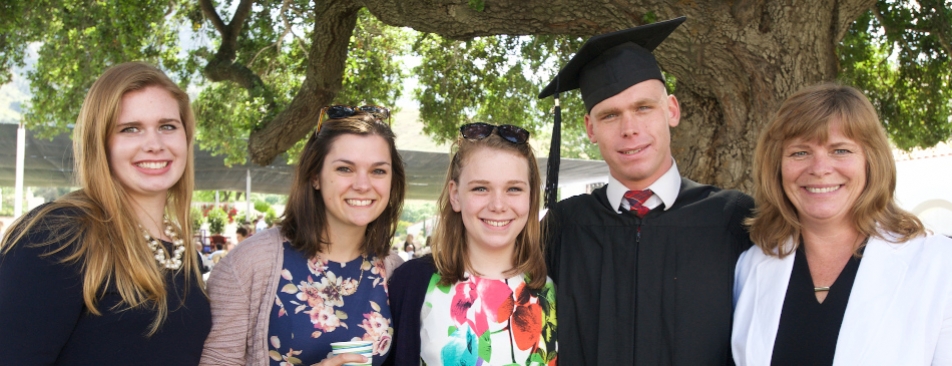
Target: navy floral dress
[{"x": 320, "y": 302}]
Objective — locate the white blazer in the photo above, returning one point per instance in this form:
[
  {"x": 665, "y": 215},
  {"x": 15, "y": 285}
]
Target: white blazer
[{"x": 899, "y": 311}]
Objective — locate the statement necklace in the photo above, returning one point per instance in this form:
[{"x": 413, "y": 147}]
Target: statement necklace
[
  {"x": 161, "y": 257},
  {"x": 344, "y": 288}
]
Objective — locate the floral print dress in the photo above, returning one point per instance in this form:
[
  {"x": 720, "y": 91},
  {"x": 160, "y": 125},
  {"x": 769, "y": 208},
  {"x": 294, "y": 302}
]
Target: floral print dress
[
  {"x": 320, "y": 302},
  {"x": 488, "y": 322}
]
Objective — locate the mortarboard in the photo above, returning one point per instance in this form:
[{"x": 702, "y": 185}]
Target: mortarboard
[{"x": 606, "y": 65}]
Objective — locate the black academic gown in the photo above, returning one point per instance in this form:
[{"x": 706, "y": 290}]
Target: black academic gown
[{"x": 659, "y": 297}]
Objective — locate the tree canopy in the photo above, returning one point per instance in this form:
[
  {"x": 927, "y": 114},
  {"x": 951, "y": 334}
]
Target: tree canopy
[{"x": 263, "y": 69}]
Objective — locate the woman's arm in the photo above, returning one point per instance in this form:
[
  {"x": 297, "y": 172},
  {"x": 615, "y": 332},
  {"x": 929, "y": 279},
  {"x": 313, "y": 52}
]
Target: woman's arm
[
  {"x": 41, "y": 300},
  {"x": 227, "y": 343}
]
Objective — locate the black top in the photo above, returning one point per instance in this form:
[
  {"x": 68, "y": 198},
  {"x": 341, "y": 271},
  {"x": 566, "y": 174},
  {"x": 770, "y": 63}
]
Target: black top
[
  {"x": 44, "y": 321},
  {"x": 663, "y": 299},
  {"x": 407, "y": 289},
  {"x": 808, "y": 329}
]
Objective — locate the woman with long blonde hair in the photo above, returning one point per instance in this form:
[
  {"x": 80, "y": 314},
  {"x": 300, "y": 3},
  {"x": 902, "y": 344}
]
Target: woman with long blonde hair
[{"x": 105, "y": 274}]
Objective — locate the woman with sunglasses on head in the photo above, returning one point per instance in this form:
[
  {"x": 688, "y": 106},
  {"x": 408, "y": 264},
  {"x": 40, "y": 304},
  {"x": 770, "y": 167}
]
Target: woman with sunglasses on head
[
  {"x": 106, "y": 274},
  {"x": 483, "y": 297},
  {"x": 285, "y": 294}
]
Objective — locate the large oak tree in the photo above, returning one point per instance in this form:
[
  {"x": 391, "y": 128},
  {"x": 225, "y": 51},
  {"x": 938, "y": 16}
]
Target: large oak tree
[{"x": 275, "y": 63}]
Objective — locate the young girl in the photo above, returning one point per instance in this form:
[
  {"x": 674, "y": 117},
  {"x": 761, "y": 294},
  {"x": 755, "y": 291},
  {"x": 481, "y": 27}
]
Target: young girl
[
  {"x": 483, "y": 298},
  {"x": 285, "y": 294}
]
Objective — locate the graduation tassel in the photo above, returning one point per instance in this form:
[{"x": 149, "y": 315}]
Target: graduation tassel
[{"x": 552, "y": 166}]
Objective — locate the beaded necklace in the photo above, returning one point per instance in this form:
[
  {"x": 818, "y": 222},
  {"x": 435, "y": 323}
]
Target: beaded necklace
[{"x": 161, "y": 257}]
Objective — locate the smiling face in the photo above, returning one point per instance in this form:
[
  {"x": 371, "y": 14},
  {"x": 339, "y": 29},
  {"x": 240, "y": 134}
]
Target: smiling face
[
  {"x": 492, "y": 196},
  {"x": 632, "y": 130},
  {"x": 148, "y": 146},
  {"x": 355, "y": 180},
  {"x": 823, "y": 179}
]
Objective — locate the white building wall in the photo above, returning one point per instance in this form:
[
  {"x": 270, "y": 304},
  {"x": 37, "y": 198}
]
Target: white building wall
[{"x": 924, "y": 186}]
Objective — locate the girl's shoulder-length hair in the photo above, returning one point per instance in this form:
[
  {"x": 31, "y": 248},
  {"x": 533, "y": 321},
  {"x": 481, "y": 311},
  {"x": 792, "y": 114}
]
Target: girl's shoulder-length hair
[
  {"x": 304, "y": 222},
  {"x": 449, "y": 243},
  {"x": 810, "y": 114}
]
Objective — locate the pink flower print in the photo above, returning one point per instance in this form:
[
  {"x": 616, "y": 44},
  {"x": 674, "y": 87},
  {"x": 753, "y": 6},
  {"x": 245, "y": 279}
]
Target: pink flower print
[
  {"x": 310, "y": 292},
  {"x": 317, "y": 265},
  {"x": 491, "y": 294},
  {"x": 330, "y": 290},
  {"x": 379, "y": 268},
  {"x": 375, "y": 324},
  {"x": 463, "y": 299},
  {"x": 377, "y": 329},
  {"x": 382, "y": 345},
  {"x": 349, "y": 287},
  {"x": 381, "y": 271},
  {"x": 282, "y": 311},
  {"x": 324, "y": 318}
]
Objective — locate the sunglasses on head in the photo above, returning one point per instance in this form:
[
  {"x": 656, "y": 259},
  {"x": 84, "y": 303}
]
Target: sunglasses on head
[
  {"x": 481, "y": 130},
  {"x": 344, "y": 111}
]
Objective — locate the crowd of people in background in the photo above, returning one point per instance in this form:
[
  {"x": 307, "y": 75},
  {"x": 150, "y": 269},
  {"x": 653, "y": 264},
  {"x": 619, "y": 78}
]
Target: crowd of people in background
[{"x": 819, "y": 267}]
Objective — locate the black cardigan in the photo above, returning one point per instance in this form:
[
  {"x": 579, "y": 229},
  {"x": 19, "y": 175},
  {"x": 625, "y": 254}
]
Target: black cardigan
[{"x": 407, "y": 288}]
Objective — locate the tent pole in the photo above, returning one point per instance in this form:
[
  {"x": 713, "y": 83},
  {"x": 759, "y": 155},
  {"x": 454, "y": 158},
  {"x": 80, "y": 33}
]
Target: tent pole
[
  {"x": 247, "y": 196},
  {"x": 18, "y": 190}
]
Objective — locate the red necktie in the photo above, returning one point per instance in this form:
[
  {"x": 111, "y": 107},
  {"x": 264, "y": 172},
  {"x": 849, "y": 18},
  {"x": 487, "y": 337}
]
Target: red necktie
[{"x": 636, "y": 200}]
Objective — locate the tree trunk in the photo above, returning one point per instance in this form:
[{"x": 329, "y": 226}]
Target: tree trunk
[{"x": 735, "y": 61}]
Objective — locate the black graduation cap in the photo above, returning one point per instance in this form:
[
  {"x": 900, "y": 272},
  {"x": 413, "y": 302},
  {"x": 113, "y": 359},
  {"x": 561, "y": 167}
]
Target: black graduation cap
[{"x": 606, "y": 65}]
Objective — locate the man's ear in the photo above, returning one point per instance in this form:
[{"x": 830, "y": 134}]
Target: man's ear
[
  {"x": 674, "y": 111},
  {"x": 589, "y": 129}
]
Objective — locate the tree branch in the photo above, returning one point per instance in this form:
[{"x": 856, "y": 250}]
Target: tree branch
[
  {"x": 209, "y": 10},
  {"x": 326, "y": 62},
  {"x": 222, "y": 66}
]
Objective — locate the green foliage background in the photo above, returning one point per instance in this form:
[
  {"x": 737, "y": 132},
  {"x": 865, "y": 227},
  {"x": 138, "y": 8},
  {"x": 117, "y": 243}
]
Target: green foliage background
[{"x": 898, "y": 53}]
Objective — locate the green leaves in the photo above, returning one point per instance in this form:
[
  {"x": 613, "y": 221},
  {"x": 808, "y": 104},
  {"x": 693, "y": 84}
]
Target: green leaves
[
  {"x": 477, "y": 5},
  {"x": 497, "y": 80},
  {"x": 79, "y": 39},
  {"x": 898, "y": 53}
]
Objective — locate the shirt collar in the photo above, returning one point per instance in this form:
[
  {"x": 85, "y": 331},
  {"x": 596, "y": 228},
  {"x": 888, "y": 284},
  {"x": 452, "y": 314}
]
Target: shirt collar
[{"x": 665, "y": 190}]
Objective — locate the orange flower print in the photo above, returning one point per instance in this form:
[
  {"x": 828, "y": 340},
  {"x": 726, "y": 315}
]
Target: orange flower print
[{"x": 525, "y": 317}]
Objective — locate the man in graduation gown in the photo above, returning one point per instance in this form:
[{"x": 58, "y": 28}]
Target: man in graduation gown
[{"x": 644, "y": 266}]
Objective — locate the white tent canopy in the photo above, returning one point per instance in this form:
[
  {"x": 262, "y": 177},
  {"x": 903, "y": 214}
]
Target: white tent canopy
[{"x": 49, "y": 163}]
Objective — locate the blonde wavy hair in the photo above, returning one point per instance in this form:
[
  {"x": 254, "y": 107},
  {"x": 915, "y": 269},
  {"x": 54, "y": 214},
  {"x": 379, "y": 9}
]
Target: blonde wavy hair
[
  {"x": 810, "y": 114},
  {"x": 105, "y": 237}
]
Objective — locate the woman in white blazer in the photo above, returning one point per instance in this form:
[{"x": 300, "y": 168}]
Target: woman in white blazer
[{"x": 840, "y": 274}]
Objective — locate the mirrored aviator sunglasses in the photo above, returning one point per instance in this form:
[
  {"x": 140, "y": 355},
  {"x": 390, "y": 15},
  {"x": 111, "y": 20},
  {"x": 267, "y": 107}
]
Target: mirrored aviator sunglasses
[
  {"x": 344, "y": 111},
  {"x": 481, "y": 130}
]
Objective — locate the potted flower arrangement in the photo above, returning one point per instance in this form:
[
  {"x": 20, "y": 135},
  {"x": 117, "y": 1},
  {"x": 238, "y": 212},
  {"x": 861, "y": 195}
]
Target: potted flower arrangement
[{"x": 217, "y": 218}]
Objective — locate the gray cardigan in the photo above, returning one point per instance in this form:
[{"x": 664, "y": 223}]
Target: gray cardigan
[{"x": 242, "y": 289}]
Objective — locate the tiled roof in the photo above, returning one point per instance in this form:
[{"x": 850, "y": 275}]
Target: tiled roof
[{"x": 941, "y": 150}]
